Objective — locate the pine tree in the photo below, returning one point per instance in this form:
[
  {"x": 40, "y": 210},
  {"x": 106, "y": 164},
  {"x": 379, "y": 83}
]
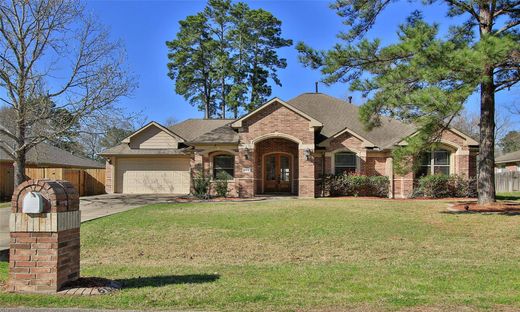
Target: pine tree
[
  {"x": 224, "y": 58},
  {"x": 426, "y": 78},
  {"x": 191, "y": 65}
]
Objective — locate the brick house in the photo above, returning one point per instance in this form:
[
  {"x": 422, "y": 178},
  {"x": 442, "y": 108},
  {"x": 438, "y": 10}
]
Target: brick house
[
  {"x": 508, "y": 162},
  {"x": 279, "y": 148}
]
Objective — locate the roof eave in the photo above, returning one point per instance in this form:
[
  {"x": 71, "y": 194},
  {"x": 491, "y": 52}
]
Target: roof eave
[
  {"x": 156, "y": 124},
  {"x": 313, "y": 122}
]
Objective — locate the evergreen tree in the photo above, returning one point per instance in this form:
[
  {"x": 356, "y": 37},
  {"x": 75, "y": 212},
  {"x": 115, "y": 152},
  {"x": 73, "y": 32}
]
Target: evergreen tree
[
  {"x": 510, "y": 142},
  {"x": 224, "y": 58},
  {"x": 425, "y": 78},
  {"x": 191, "y": 65}
]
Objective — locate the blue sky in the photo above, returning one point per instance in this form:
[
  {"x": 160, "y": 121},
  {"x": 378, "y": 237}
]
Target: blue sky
[{"x": 145, "y": 26}]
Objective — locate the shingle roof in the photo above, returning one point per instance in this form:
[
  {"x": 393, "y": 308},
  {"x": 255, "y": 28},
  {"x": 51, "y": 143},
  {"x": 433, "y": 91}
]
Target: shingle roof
[
  {"x": 124, "y": 149},
  {"x": 509, "y": 157},
  {"x": 336, "y": 115},
  {"x": 44, "y": 154},
  {"x": 193, "y": 128},
  {"x": 224, "y": 134}
]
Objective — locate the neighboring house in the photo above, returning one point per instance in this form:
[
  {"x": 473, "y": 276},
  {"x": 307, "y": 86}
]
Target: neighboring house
[
  {"x": 41, "y": 156},
  {"x": 508, "y": 162},
  {"x": 279, "y": 148}
]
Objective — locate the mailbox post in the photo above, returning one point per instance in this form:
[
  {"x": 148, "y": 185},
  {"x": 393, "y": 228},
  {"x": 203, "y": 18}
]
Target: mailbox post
[{"x": 45, "y": 236}]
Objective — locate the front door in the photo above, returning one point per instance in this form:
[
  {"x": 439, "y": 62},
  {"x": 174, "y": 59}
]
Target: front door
[{"x": 277, "y": 173}]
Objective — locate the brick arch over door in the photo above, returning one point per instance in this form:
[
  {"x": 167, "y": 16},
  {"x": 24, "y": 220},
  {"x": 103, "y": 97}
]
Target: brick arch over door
[{"x": 270, "y": 146}]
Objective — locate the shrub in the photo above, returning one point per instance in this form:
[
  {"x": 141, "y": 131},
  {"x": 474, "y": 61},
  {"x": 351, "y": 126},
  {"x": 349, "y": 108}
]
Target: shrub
[
  {"x": 221, "y": 184},
  {"x": 356, "y": 185},
  {"x": 201, "y": 185},
  {"x": 442, "y": 186}
]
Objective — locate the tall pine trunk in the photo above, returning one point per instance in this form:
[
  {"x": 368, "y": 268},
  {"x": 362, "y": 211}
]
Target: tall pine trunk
[{"x": 486, "y": 164}]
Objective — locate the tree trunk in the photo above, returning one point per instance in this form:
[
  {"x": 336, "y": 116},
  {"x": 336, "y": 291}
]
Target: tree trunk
[
  {"x": 486, "y": 163},
  {"x": 19, "y": 174},
  {"x": 223, "y": 95}
]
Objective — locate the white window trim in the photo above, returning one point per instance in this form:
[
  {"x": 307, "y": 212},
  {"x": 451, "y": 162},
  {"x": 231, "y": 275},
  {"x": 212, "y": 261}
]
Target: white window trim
[{"x": 333, "y": 160}]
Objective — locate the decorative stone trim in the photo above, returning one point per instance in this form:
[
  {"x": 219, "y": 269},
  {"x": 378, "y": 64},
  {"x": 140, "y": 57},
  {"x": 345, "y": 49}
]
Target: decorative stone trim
[{"x": 44, "y": 222}]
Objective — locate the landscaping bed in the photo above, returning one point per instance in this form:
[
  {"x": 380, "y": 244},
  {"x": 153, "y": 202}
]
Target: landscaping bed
[{"x": 498, "y": 207}]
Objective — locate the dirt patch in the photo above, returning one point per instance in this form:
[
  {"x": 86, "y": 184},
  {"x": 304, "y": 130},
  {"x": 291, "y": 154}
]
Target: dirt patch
[{"x": 498, "y": 207}]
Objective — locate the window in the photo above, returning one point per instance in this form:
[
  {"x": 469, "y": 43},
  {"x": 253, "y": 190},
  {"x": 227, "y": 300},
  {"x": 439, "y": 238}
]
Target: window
[
  {"x": 434, "y": 162},
  {"x": 224, "y": 165},
  {"x": 344, "y": 162}
]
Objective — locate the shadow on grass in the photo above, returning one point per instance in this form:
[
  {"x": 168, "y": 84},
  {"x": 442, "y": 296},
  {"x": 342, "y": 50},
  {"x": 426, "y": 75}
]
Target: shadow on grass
[
  {"x": 502, "y": 213},
  {"x": 164, "y": 280},
  {"x": 508, "y": 197}
]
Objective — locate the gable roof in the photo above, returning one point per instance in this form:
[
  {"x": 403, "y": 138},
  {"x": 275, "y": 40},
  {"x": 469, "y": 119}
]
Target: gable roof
[
  {"x": 190, "y": 129},
  {"x": 224, "y": 134},
  {"x": 313, "y": 121},
  {"x": 45, "y": 154},
  {"x": 154, "y": 124},
  {"x": 338, "y": 115},
  {"x": 509, "y": 157}
]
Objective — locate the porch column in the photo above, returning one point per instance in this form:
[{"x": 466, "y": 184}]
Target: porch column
[
  {"x": 245, "y": 171},
  {"x": 306, "y": 174}
]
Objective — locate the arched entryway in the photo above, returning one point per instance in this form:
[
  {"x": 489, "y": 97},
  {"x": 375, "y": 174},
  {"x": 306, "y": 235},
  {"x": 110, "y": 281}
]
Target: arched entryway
[{"x": 276, "y": 164}]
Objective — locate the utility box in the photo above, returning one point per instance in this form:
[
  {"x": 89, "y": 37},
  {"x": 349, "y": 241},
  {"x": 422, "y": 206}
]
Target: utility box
[{"x": 45, "y": 236}]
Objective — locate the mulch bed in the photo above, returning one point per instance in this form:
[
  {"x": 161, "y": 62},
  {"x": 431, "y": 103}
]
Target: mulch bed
[
  {"x": 498, "y": 207},
  {"x": 193, "y": 199}
]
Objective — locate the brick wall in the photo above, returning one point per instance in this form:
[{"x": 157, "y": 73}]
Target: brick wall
[
  {"x": 274, "y": 120},
  {"x": 44, "y": 247},
  {"x": 109, "y": 180}
]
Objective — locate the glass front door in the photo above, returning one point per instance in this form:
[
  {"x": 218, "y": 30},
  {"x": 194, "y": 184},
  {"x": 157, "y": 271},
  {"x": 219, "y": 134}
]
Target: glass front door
[{"x": 278, "y": 173}]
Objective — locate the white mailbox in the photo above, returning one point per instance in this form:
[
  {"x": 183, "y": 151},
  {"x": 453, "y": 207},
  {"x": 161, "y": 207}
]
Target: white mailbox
[{"x": 32, "y": 203}]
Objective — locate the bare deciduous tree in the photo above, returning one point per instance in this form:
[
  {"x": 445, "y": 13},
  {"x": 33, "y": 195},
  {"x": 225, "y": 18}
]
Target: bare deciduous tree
[
  {"x": 469, "y": 123},
  {"x": 57, "y": 67}
]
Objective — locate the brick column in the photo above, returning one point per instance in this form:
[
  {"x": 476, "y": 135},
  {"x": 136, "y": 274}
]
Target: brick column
[
  {"x": 44, "y": 247},
  {"x": 306, "y": 173}
]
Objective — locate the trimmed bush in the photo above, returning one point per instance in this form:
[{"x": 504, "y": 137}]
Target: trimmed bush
[
  {"x": 201, "y": 186},
  {"x": 442, "y": 186},
  {"x": 356, "y": 185},
  {"x": 221, "y": 184}
]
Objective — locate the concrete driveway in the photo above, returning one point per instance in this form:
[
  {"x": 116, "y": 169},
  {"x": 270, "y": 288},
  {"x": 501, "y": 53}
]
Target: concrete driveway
[{"x": 93, "y": 207}]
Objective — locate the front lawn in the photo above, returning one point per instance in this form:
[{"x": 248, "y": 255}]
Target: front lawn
[
  {"x": 319, "y": 255},
  {"x": 508, "y": 196}
]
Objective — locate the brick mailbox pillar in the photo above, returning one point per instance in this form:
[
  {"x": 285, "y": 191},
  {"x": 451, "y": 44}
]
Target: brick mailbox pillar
[{"x": 45, "y": 245}]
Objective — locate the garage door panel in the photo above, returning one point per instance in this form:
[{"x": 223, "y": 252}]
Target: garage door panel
[{"x": 153, "y": 175}]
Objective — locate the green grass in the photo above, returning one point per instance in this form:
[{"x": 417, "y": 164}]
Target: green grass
[
  {"x": 319, "y": 255},
  {"x": 509, "y": 196}
]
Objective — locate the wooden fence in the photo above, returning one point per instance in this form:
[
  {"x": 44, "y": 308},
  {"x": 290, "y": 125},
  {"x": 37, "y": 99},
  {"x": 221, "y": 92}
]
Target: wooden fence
[
  {"x": 87, "y": 181},
  {"x": 6, "y": 180},
  {"x": 507, "y": 181}
]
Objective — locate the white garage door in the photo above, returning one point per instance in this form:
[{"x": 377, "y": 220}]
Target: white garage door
[{"x": 153, "y": 175}]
